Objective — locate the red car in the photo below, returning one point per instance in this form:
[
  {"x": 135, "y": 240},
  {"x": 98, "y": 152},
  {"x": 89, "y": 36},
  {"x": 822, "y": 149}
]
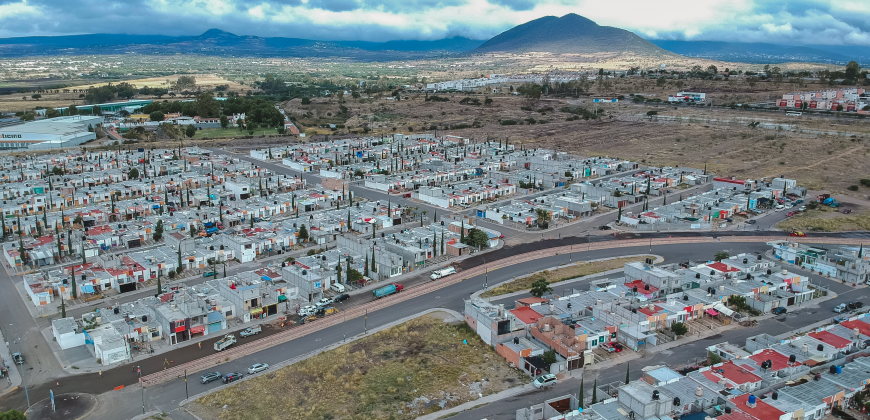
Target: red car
[
  {"x": 790, "y": 214},
  {"x": 613, "y": 347}
]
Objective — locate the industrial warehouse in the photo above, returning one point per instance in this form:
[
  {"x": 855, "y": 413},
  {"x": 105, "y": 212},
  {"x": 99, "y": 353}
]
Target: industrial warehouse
[{"x": 51, "y": 133}]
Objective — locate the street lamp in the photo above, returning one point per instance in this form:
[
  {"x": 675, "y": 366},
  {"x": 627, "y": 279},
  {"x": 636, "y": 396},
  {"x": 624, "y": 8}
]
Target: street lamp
[{"x": 485, "y": 274}]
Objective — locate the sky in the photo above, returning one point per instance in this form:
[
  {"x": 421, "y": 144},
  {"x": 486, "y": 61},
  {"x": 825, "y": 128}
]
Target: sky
[{"x": 795, "y": 22}]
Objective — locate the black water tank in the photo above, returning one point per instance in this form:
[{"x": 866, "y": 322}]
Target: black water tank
[
  {"x": 792, "y": 359},
  {"x": 116, "y": 310},
  {"x": 144, "y": 318},
  {"x": 775, "y": 395},
  {"x": 832, "y": 370},
  {"x": 727, "y": 410},
  {"x": 676, "y": 401},
  {"x": 820, "y": 347},
  {"x": 697, "y": 275},
  {"x": 745, "y": 261},
  {"x": 516, "y": 340},
  {"x": 685, "y": 297},
  {"x": 655, "y": 395},
  {"x": 634, "y": 289},
  {"x": 646, "y": 287}
]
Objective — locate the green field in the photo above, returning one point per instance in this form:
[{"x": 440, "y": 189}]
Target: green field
[{"x": 209, "y": 133}]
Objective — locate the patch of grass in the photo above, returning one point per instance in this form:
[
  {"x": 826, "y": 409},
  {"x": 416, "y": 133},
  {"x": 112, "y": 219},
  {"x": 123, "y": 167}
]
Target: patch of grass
[
  {"x": 561, "y": 274},
  {"x": 74, "y": 367},
  {"x": 387, "y": 375},
  {"x": 813, "y": 220}
]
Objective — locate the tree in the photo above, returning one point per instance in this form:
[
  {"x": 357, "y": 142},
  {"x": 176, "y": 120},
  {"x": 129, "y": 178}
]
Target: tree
[
  {"x": 374, "y": 229},
  {"x": 133, "y": 174},
  {"x": 721, "y": 255},
  {"x": 477, "y": 238},
  {"x": 72, "y": 110},
  {"x": 52, "y": 113},
  {"x": 619, "y": 215},
  {"x": 543, "y": 218},
  {"x": 580, "y": 396},
  {"x": 72, "y": 285},
  {"x": 158, "y": 230},
  {"x": 549, "y": 357},
  {"x": 62, "y": 315},
  {"x": 12, "y": 415},
  {"x": 159, "y": 286},
  {"x": 442, "y": 242},
  {"x": 366, "y": 266},
  {"x": 540, "y": 287},
  {"x": 190, "y": 131},
  {"x": 713, "y": 358},
  {"x": 595, "y": 392},
  {"x": 36, "y": 96},
  {"x": 156, "y": 116},
  {"x": 627, "y": 373},
  {"x": 679, "y": 328},
  {"x": 354, "y": 275},
  {"x": 225, "y": 122},
  {"x": 303, "y": 233}
]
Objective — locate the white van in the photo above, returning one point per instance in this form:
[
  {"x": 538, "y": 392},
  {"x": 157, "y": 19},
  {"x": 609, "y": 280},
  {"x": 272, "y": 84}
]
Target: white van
[
  {"x": 444, "y": 272},
  {"x": 780, "y": 207},
  {"x": 337, "y": 287}
]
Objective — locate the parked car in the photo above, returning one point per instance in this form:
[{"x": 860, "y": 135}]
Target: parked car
[
  {"x": 209, "y": 274},
  {"x": 840, "y": 308},
  {"x": 407, "y": 195},
  {"x": 779, "y": 208},
  {"x": 257, "y": 367},
  {"x": 209, "y": 377},
  {"x": 840, "y": 319},
  {"x": 752, "y": 221},
  {"x": 324, "y": 302},
  {"x": 613, "y": 347},
  {"x": 847, "y": 211},
  {"x": 802, "y": 208},
  {"x": 604, "y": 227},
  {"x": 18, "y": 358},
  {"x": 790, "y": 214},
  {"x": 307, "y": 310},
  {"x": 797, "y": 233},
  {"x": 855, "y": 304},
  {"x": 779, "y": 311},
  {"x": 231, "y": 377},
  {"x": 545, "y": 380},
  {"x": 337, "y": 287},
  {"x": 342, "y": 297}
]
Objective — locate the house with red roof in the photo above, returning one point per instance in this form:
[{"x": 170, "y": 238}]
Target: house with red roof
[
  {"x": 758, "y": 409},
  {"x": 526, "y": 315},
  {"x": 778, "y": 361},
  {"x": 742, "y": 376},
  {"x": 647, "y": 290},
  {"x": 862, "y": 327},
  {"x": 832, "y": 340}
]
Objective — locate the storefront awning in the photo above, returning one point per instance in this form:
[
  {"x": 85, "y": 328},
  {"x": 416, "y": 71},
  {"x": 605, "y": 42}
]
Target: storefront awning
[
  {"x": 87, "y": 288},
  {"x": 282, "y": 298},
  {"x": 712, "y": 311},
  {"x": 199, "y": 329},
  {"x": 256, "y": 311}
]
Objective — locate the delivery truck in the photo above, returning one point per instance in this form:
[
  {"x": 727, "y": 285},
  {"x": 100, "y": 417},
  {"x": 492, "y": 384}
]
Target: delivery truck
[{"x": 387, "y": 290}]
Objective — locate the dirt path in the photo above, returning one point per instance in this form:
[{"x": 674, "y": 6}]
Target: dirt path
[{"x": 819, "y": 162}]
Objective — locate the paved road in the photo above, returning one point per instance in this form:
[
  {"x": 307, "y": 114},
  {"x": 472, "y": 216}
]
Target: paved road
[{"x": 164, "y": 397}]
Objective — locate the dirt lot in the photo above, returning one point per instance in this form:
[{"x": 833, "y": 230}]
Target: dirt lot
[
  {"x": 561, "y": 274},
  {"x": 399, "y": 373}
]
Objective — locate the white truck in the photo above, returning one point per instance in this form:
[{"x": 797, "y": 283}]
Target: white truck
[
  {"x": 247, "y": 332},
  {"x": 225, "y": 342},
  {"x": 444, "y": 272}
]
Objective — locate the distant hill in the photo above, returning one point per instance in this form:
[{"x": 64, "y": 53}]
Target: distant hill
[
  {"x": 568, "y": 34},
  {"x": 219, "y": 42},
  {"x": 762, "y": 53}
]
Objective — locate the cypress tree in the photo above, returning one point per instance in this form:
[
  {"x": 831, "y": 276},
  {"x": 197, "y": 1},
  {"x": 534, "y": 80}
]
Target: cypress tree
[
  {"x": 861, "y": 251},
  {"x": 84, "y": 258},
  {"x": 159, "y": 286},
  {"x": 3, "y": 221},
  {"x": 348, "y": 219},
  {"x": 374, "y": 229},
  {"x": 595, "y": 391},
  {"x": 462, "y": 233},
  {"x": 179, "y": 259},
  {"x": 366, "y": 267},
  {"x": 434, "y": 244},
  {"x": 580, "y": 395},
  {"x": 442, "y": 242},
  {"x": 73, "y": 286},
  {"x": 627, "y": 373},
  {"x": 62, "y": 308},
  {"x": 619, "y": 215},
  {"x": 373, "y": 266}
]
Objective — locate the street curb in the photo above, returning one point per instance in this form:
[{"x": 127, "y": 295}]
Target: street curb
[
  {"x": 659, "y": 259},
  {"x": 330, "y": 347}
]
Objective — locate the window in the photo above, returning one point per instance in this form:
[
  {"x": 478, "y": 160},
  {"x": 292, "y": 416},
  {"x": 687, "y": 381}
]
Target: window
[{"x": 229, "y": 313}]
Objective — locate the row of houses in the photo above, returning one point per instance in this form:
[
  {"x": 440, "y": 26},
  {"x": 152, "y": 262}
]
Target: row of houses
[
  {"x": 853, "y": 99},
  {"x": 632, "y": 309},
  {"x": 846, "y": 263}
]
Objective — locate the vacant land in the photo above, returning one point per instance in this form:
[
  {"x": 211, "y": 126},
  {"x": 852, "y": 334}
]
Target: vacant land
[
  {"x": 418, "y": 367},
  {"x": 561, "y": 274},
  {"x": 208, "y": 133},
  {"x": 829, "y": 221}
]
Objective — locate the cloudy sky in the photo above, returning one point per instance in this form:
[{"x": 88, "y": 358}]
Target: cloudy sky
[{"x": 791, "y": 22}]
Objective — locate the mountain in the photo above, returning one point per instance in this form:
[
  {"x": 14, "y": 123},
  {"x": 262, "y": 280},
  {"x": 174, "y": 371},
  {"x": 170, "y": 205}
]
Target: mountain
[
  {"x": 569, "y": 34},
  {"x": 219, "y": 42},
  {"x": 763, "y": 53}
]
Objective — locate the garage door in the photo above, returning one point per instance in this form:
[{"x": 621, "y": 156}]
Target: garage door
[{"x": 215, "y": 327}]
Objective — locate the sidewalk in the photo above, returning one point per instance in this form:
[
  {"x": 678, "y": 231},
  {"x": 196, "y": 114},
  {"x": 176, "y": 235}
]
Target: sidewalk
[{"x": 11, "y": 382}]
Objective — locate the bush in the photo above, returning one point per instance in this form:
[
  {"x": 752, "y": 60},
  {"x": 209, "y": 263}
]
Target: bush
[
  {"x": 549, "y": 357},
  {"x": 853, "y": 188},
  {"x": 171, "y": 274},
  {"x": 679, "y": 328},
  {"x": 864, "y": 181},
  {"x": 508, "y": 122}
]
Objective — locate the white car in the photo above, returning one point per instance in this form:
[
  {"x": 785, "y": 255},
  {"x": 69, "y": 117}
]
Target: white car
[
  {"x": 780, "y": 207},
  {"x": 545, "y": 380},
  {"x": 802, "y": 208},
  {"x": 258, "y": 367},
  {"x": 307, "y": 310},
  {"x": 337, "y": 287},
  {"x": 324, "y": 302}
]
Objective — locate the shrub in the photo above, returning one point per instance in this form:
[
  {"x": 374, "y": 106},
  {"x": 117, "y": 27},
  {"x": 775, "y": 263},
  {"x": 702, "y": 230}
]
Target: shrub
[
  {"x": 853, "y": 188},
  {"x": 864, "y": 181},
  {"x": 508, "y": 122}
]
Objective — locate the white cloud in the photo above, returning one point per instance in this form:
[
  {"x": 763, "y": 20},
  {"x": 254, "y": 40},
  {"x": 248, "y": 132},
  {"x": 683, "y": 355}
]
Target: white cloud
[{"x": 782, "y": 21}]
